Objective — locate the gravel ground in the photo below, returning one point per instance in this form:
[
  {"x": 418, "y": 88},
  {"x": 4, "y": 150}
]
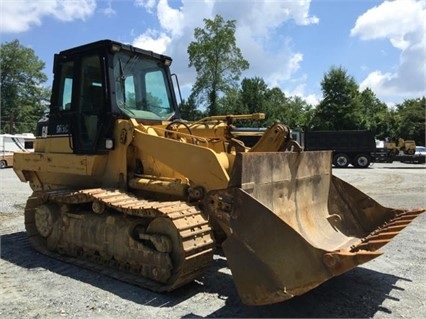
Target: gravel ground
[{"x": 391, "y": 286}]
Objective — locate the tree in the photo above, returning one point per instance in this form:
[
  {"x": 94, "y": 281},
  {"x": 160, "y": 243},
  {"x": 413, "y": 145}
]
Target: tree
[
  {"x": 297, "y": 113},
  {"x": 374, "y": 114},
  {"x": 188, "y": 110},
  {"x": 23, "y": 98},
  {"x": 253, "y": 93},
  {"x": 232, "y": 103},
  {"x": 391, "y": 126},
  {"x": 217, "y": 60},
  {"x": 412, "y": 120},
  {"x": 275, "y": 106},
  {"x": 291, "y": 111},
  {"x": 340, "y": 108}
]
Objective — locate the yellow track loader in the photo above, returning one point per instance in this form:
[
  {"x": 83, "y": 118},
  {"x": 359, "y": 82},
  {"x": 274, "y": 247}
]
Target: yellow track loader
[
  {"x": 407, "y": 147},
  {"x": 122, "y": 185}
]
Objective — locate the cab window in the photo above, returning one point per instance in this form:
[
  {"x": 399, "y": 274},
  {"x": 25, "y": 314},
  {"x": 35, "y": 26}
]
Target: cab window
[{"x": 66, "y": 86}]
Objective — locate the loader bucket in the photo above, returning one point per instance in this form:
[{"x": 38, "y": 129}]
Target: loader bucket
[{"x": 293, "y": 225}]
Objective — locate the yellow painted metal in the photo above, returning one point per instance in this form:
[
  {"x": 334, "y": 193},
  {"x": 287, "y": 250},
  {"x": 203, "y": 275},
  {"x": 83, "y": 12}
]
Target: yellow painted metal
[
  {"x": 228, "y": 118},
  {"x": 291, "y": 224},
  {"x": 61, "y": 163},
  {"x": 274, "y": 139},
  {"x": 7, "y": 159},
  {"x": 53, "y": 170},
  {"x": 53, "y": 144},
  {"x": 173, "y": 187},
  {"x": 201, "y": 165}
]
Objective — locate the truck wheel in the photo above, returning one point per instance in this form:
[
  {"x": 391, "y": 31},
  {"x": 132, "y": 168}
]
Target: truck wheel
[
  {"x": 362, "y": 161},
  {"x": 3, "y": 164},
  {"x": 411, "y": 151},
  {"x": 341, "y": 160}
]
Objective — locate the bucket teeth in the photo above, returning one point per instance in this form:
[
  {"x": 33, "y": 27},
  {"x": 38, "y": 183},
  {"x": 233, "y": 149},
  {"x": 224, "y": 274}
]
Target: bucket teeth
[
  {"x": 291, "y": 227},
  {"x": 387, "y": 231}
]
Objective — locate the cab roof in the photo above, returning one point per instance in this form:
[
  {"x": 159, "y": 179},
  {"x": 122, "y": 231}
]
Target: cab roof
[{"x": 113, "y": 44}]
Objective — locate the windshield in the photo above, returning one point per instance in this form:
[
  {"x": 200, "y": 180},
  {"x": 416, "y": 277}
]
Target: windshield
[{"x": 141, "y": 87}]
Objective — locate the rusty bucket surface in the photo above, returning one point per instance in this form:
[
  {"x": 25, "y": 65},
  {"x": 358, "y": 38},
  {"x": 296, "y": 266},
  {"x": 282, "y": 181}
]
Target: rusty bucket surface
[{"x": 293, "y": 225}]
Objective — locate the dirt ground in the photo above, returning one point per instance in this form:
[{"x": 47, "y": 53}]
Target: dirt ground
[{"x": 391, "y": 286}]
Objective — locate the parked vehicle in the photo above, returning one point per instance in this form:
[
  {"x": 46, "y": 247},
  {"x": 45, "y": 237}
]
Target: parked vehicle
[
  {"x": 388, "y": 153},
  {"x": 355, "y": 147},
  {"x": 402, "y": 147},
  {"x": 124, "y": 186},
  {"x": 10, "y": 143},
  {"x": 420, "y": 150}
]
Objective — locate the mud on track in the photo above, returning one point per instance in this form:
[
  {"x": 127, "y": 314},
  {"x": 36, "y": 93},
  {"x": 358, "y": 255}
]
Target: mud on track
[{"x": 393, "y": 285}]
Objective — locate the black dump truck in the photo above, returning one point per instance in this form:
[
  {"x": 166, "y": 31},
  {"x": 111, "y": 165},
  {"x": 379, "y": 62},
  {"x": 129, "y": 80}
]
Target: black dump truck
[{"x": 357, "y": 148}]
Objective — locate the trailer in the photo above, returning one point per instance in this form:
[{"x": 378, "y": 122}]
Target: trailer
[
  {"x": 384, "y": 155},
  {"x": 11, "y": 143},
  {"x": 350, "y": 147},
  {"x": 411, "y": 159}
]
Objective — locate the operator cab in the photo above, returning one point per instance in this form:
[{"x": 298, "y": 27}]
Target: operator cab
[{"x": 97, "y": 83}]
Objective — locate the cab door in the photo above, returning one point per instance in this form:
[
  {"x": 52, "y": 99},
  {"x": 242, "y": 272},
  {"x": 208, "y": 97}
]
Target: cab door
[
  {"x": 89, "y": 105},
  {"x": 78, "y": 101}
]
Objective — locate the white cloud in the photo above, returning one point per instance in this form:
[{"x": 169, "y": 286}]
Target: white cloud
[
  {"x": 19, "y": 16},
  {"x": 312, "y": 99},
  {"x": 257, "y": 22},
  {"x": 149, "y": 5},
  {"x": 270, "y": 54},
  {"x": 377, "y": 79},
  {"x": 264, "y": 16},
  {"x": 391, "y": 20},
  {"x": 68, "y": 10},
  {"x": 152, "y": 40},
  {"x": 284, "y": 69},
  {"x": 402, "y": 22},
  {"x": 170, "y": 19},
  {"x": 109, "y": 11},
  {"x": 300, "y": 91}
]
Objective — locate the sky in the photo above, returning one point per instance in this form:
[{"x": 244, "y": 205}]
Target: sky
[{"x": 289, "y": 44}]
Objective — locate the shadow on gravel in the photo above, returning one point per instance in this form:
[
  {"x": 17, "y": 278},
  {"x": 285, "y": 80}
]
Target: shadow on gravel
[
  {"x": 17, "y": 249},
  {"x": 358, "y": 293}
]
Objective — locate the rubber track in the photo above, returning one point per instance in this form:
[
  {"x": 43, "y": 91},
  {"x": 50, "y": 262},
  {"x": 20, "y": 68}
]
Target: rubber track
[{"x": 195, "y": 232}]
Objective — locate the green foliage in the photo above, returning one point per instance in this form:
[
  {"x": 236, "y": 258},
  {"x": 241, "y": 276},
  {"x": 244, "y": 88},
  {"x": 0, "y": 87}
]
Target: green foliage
[
  {"x": 275, "y": 106},
  {"x": 253, "y": 94},
  {"x": 188, "y": 110},
  {"x": 255, "y": 97},
  {"x": 232, "y": 103},
  {"x": 375, "y": 114},
  {"x": 341, "y": 107},
  {"x": 391, "y": 126},
  {"x": 297, "y": 113},
  {"x": 219, "y": 64},
  {"x": 23, "y": 98},
  {"x": 291, "y": 111},
  {"x": 412, "y": 120},
  {"x": 217, "y": 60}
]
